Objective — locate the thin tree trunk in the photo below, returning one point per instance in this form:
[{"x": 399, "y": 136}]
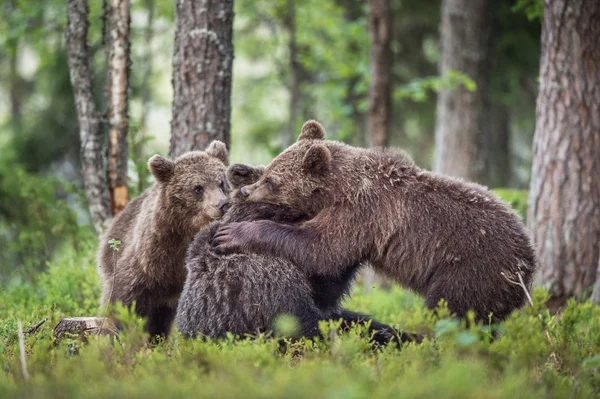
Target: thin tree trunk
[
  {"x": 461, "y": 117},
  {"x": 202, "y": 61},
  {"x": 90, "y": 133},
  {"x": 380, "y": 97},
  {"x": 596, "y": 292},
  {"x": 353, "y": 11},
  {"x": 140, "y": 140},
  {"x": 499, "y": 146},
  {"x": 564, "y": 200},
  {"x": 16, "y": 95},
  {"x": 296, "y": 73},
  {"x": 117, "y": 84}
]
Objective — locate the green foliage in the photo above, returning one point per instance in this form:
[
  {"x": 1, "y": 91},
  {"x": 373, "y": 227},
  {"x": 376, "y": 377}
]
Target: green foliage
[
  {"x": 535, "y": 355},
  {"x": 418, "y": 89},
  {"x": 517, "y": 199},
  {"x": 534, "y": 9},
  {"x": 35, "y": 219},
  {"x": 114, "y": 244}
]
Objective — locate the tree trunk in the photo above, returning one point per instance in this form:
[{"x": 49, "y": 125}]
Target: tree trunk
[
  {"x": 564, "y": 199},
  {"x": 90, "y": 133},
  {"x": 353, "y": 11},
  {"x": 596, "y": 293},
  {"x": 138, "y": 140},
  {"x": 117, "y": 84},
  {"x": 459, "y": 133},
  {"x": 296, "y": 76},
  {"x": 380, "y": 97},
  {"x": 499, "y": 146},
  {"x": 202, "y": 60}
]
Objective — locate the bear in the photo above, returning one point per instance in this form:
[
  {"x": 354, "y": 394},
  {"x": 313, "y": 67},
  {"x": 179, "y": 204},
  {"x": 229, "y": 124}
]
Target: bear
[
  {"x": 244, "y": 293},
  {"x": 439, "y": 236},
  {"x": 155, "y": 230}
]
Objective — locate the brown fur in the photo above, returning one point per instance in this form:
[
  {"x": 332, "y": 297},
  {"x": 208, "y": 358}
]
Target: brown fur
[
  {"x": 244, "y": 293},
  {"x": 155, "y": 230},
  {"x": 440, "y": 236}
]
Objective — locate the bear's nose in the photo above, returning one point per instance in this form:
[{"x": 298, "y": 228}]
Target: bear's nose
[
  {"x": 244, "y": 191},
  {"x": 223, "y": 203}
]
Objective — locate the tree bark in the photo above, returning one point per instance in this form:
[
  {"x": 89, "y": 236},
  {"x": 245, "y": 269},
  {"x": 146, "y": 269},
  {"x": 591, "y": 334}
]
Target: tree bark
[
  {"x": 499, "y": 146},
  {"x": 90, "y": 132},
  {"x": 461, "y": 117},
  {"x": 380, "y": 97},
  {"x": 596, "y": 292},
  {"x": 202, "y": 61},
  {"x": 295, "y": 78},
  {"x": 564, "y": 199},
  {"x": 117, "y": 84}
]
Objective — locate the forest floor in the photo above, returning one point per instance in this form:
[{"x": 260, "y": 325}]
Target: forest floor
[{"x": 536, "y": 355}]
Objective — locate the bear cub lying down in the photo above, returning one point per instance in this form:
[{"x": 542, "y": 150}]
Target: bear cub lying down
[
  {"x": 439, "y": 236},
  {"x": 244, "y": 293}
]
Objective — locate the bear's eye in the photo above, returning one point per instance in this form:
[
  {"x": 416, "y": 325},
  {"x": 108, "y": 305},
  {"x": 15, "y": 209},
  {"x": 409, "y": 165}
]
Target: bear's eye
[
  {"x": 269, "y": 184},
  {"x": 199, "y": 190}
]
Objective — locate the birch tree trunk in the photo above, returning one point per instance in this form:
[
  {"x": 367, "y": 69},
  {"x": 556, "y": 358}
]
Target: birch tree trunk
[
  {"x": 461, "y": 116},
  {"x": 117, "y": 84},
  {"x": 90, "y": 133},
  {"x": 380, "y": 97},
  {"x": 202, "y": 61},
  {"x": 564, "y": 199}
]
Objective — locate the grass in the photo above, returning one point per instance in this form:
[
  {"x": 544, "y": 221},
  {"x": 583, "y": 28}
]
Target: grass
[{"x": 536, "y": 355}]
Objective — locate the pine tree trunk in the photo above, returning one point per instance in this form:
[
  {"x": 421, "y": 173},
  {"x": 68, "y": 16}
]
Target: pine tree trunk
[
  {"x": 90, "y": 133},
  {"x": 461, "y": 116},
  {"x": 380, "y": 92},
  {"x": 296, "y": 75},
  {"x": 564, "y": 200},
  {"x": 117, "y": 84},
  {"x": 202, "y": 61}
]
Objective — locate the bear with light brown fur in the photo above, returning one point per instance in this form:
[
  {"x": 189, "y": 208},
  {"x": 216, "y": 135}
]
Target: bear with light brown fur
[
  {"x": 155, "y": 230},
  {"x": 439, "y": 236}
]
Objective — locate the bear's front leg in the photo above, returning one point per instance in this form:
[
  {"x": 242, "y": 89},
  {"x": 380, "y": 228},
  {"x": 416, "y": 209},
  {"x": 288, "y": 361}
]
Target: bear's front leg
[
  {"x": 305, "y": 246},
  {"x": 236, "y": 237}
]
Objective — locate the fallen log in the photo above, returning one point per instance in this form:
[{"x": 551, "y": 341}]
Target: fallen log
[{"x": 84, "y": 326}]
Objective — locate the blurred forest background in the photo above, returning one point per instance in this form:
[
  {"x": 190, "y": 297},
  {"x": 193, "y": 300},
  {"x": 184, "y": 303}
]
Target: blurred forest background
[{"x": 453, "y": 83}]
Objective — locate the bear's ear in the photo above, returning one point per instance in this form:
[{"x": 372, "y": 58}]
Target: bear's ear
[
  {"x": 161, "y": 168},
  {"x": 239, "y": 175},
  {"x": 312, "y": 130},
  {"x": 218, "y": 150},
  {"x": 317, "y": 160}
]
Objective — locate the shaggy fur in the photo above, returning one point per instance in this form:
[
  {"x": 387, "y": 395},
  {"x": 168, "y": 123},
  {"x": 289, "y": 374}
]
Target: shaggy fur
[
  {"x": 155, "y": 230},
  {"x": 244, "y": 293},
  {"x": 439, "y": 236}
]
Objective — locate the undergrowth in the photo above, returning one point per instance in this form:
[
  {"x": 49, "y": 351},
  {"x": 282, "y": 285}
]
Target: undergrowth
[{"x": 535, "y": 354}]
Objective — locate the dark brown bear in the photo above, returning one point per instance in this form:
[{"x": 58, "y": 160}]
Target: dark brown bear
[
  {"x": 155, "y": 230},
  {"x": 244, "y": 293},
  {"x": 439, "y": 236}
]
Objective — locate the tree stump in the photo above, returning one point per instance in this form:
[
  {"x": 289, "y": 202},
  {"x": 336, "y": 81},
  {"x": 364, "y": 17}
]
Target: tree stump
[{"x": 84, "y": 326}]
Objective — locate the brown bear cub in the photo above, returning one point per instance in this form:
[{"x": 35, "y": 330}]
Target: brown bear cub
[
  {"x": 155, "y": 230},
  {"x": 244, "y": 293},
  {"x": 439, "y": 236}
]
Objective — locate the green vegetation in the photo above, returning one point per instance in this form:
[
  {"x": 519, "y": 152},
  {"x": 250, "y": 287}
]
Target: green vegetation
[{"x": 535, "y": 355}]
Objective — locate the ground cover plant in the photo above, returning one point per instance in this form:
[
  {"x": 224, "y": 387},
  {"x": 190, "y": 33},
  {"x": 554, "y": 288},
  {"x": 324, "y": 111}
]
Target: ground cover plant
[{"x": 536, "y": 354}]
